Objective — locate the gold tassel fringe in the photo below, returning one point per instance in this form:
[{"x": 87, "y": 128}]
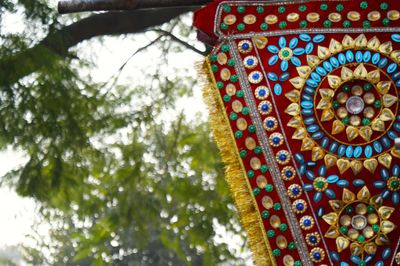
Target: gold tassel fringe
[{"x": 235, "y": 172}]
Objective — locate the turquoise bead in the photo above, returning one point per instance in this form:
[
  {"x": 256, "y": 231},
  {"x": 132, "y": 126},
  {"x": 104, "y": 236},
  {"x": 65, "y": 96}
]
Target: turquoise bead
[
  {"x": 367, "y": 56},
  {"x": 368, "y": 151},
  {"x": 376, "y": 58},
  {"x": 307, "y": 104},
  {"x": 357, "y": 152},
  {"x": 396, "y": 37},
  {"x": 350, "y": 56},
  {"x": 349, "y": 151},
  {"x": 377, "y": 146},
  {"x": 342, "y": 59}
]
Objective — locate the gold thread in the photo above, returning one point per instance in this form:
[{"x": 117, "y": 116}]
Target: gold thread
[{"x": 235, "y": 171}]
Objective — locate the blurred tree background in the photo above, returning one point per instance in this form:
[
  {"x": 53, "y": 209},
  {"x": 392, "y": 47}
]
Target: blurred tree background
[{"x": 120, "y": 174}]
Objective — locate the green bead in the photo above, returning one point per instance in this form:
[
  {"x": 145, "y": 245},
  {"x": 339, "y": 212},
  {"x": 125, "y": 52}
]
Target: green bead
[
  {"x": 277, "y": 206},
  {"x": 327, "y": 23},
  {"x": 231, "y": 62},
  {"x": 349, "y": 209},
  {"x": 346, "y": 24},
  {"x": 367, "y": 86},
  {"x": 283, "y": 227},
  {"x": 281, "y": 9},
  {"x": 241, "y": 27},
  {"x": 238, "y": 134},
  {"x": 285, "y": 53},
  {"x": 303, "y": 24},
  {"x": 339, "y": 8},
  {"x": 377, "y": 104},
  {"x": 366, "y": 24},
  {"x": 224, "y": 26},
  {"x": 264, "y": 168},
  {"x": 394, "y": 184},
  {"x": 250, "y": 174},
  {"x": 324, "y": 7},
  {"x": 233, "y": 116},
  {"x": 260, "y": 9},
  {"x": 239, "y": 93},
  {"x": 384, "y": 6},
  {"x": 257, "y": 150},
  {"x": 298, "y": 263},
  {"x": 214, "y": 68},
  {"x": 252, "y": 129},
  {"x": 220, "y": 84},
  {"x": 241, "y": 9},
  {"x": 276, "y": 252},
  {"x": 234, "y": 78},
  {"x": 370, "y": 209},
  {"x": 227, "y": 9},
  {"x": 292, "y": 246},
  {"x": 213, "y": 58},
  {"x": 335, "y": 104},
  {"x": 227, "y": 98},
  {"x": 302, "y": 8},
  {"x": 225, "y": 48},
  {"x": 346, "y": 120},
  {"x": 282, "y": 24},
  {"x": 361, "y": 238},
  {"x": 270, "y": 233},
  {"x": 386, "y": 22},
  {"x": 346, "y": 88},
  {"x": 245, "y": 111},
  {"x": 256, "y": 191},
  {"x": 344, "y": 229},
  {"x": 364, "y": 5},
  {"x": 319, "y": 184},
  {"x": 362, "y": 263},
  {"x": 269, "y": 188},
  {"x": 265, "y": 214},
  {"x": 375, "y": 228},
  {"x": 264, "y": 26},
  {"x": 243, "y": 153},
  {"x": 366, "y": 121}
]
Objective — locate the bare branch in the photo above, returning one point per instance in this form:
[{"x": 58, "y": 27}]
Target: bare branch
[
  {"x": 176, "y": 39},
  {"x": 71, "y": 6}
]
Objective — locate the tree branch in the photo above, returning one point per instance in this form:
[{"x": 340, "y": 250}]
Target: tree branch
[
  {"x": 59, "y": 41},
  {"x": 176, "y": 39},
  {"x": 71, "y": 6}
]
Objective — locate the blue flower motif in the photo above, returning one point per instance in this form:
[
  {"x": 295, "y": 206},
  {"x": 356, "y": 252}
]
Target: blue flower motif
[
  {"x": 285, "y": 52},
  {"x": 390, "y": 183},
  {"x": 321, "y": 182},
  {"x": 288, "y": 51}
]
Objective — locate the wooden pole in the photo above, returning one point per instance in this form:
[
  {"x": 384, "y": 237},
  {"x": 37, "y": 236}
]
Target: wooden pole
[{"x": 71, "y": 6}]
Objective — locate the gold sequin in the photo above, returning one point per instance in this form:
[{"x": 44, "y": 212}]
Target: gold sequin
[
  {"x": 249, "y": 19},
  {"x": 393, "y": 15},
  {"x": 374, "y": 16},
  {"x": 241, "y": 124},
  {"x": 267, "y": 202},
  {"x": 230, "y": 89},
  {"x": 353, "y": 16},
  {"x": 237, "y": 106},
  {"x": 230, "y": 20},
  {"x": 225, "y": 74},
  {"x": 292, "y": 17},
  {"x": 335, "y": 17},
  {"x": 271, "y": 19},
  {"x": 261, "y": 181},
  {"x": 313, "y": 17},
  {"x": 222, "y": 58}
]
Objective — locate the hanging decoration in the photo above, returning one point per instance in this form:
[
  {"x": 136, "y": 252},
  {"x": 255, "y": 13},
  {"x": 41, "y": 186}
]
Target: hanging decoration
[{"x": 304, "y": 105}]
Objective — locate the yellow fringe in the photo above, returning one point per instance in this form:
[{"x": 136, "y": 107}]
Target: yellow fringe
[{"x": 235, "y": 173}]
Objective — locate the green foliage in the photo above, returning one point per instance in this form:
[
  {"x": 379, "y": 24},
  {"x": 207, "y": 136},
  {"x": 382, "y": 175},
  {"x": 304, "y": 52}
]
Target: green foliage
[{"x": 121, "y": 176}]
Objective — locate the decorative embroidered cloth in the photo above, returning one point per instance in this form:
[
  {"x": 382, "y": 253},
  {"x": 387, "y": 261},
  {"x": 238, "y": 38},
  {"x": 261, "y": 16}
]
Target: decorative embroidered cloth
[{"x": 304, "y": 105}]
